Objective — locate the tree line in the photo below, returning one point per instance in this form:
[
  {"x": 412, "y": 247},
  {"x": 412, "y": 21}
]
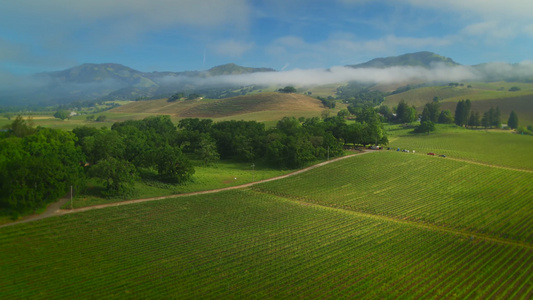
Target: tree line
[{"x": 39, "y": 165}]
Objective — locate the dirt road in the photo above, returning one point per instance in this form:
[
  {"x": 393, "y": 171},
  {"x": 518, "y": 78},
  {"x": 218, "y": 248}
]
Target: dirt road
[{"x": 54, "y": 209}]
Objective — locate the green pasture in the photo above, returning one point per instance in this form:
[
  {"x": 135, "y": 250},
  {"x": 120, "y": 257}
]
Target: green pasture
[
  {"x": 421, "y": 188},
  {"x": 244, "y": 244},
  {"x": 483, "y": 97},
  {"x": 496, "y": 147},
  {"x": 220, "y": 175}
]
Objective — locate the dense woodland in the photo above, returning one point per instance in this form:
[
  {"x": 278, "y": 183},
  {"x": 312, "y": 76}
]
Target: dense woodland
[{"x": 39, "y": 165}]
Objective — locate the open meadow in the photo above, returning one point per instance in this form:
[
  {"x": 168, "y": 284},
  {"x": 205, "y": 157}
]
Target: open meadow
[{"x": 386, "y": 224}]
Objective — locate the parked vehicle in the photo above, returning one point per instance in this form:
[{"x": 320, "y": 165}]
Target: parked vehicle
[{"x": 431, "y": 153}]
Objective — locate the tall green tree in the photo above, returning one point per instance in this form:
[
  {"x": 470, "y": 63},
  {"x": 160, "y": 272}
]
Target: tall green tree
[
  {"x": 512, "y": 122},
  {"x": 459, "y": 113},
  {"x": 172, "y": 165},
  {"x": 405, "y": 113},
  {"x": 118, "y": 175}
]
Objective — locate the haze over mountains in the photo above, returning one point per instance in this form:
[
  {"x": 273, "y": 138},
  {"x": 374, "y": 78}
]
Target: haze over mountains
[{"x": 114, "y": 81}]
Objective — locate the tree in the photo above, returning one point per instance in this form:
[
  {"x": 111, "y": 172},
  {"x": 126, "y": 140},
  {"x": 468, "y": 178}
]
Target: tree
[
  {"x": 434, "y": 108},
  {"x": 20, "y": 127},
  {"x": 343, "y": 113},
  {"x": 172, "y": 165},
  {"x": 445, "y": 117},
  {"x": 404, "y": 113},
  {"x": 513, "y": 120},
  {"x": 425, "y": 126},
  {"x": 118, "y": 176},
  {"x": 101, "y": 118},
  {"x": 426, "y": 116},
  {"x": 497, "y": 118},
  {"x": 207, "y": 150},
  {"x": 62, "y": 114},
  {"x": 459, "y": 113},
  {"x": 176, "y": 97},
  {"x": 288, "y": 90},
  {"x": 474, "y": 119},
  {"x": 462, "y": 112}
]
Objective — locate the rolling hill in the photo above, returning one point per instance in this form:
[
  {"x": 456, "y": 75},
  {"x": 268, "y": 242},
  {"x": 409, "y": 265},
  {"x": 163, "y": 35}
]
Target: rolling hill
[
  {"x": 266, "y": 106},
  {"x": 483, "y": 96}
]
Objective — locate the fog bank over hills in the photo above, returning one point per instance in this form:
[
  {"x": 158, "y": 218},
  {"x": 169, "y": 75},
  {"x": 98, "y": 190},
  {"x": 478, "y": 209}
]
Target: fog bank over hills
[{"x": 115, "y": 81}]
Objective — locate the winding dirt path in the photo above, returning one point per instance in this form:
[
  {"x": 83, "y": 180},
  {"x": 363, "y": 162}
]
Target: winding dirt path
[{"x": 54, "y": 209}]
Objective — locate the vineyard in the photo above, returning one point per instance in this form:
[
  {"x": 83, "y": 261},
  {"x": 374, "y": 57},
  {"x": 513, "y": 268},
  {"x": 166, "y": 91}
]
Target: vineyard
[
  {"x": 245, "y": 244},
  {"x": 496, "y": 148},
  {"x": 385, "y": 224},
  {"x": 420, "y": 188}
]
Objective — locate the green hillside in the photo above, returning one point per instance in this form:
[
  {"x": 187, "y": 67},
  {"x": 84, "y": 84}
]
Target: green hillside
[{"x": 482, "y": 95}]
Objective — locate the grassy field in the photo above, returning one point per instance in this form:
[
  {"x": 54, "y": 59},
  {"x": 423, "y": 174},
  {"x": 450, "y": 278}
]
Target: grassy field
[
  {"x": 221, "y": 175},
  {"x": 496, "y": 147}
]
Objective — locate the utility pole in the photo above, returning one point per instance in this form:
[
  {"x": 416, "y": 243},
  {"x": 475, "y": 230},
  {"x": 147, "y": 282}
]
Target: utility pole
[
  {"x": 253, "y": 172},
  {"x": 71, "y": 197}
]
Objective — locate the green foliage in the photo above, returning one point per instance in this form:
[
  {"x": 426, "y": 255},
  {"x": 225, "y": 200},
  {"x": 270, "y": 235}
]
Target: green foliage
[
  {"x": 405, "y": 113},
  {"x": 175, "y": 97},
  {"x": 118, "y": 176},
  {"x": 38, "y": 169},
  {"x": 62, "y": 114},
  {"x": 327, "y": 102},
  {"x": 514, "y": 89},
  {"x": 425, "y": 127},
  {"x": 462, "y": 112},
  {"x": 207, "y": 150},
  {"x": 287, "y": 90},
  {"x": 101, "y": 118},
  {"x": 172, "y": 165},
  {"x": 20, "y": 127},
  {"x": 445, "y": 117},
  {"x": 513, "y": 120}
]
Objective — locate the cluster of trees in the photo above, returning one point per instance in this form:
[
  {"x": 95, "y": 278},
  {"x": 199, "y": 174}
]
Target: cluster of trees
[
  {"x": 360, "y": 95},
  {"x": 464, "y": 116},
  {"x": 328, "y": 102},
  {"x": 287, "y": 89},
  {"x": 178, "y": 96},
  {"x": 38, "y": 165}
]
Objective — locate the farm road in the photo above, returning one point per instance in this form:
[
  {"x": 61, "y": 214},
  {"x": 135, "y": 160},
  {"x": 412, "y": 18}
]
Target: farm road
[{"x": 54, "y": 209}]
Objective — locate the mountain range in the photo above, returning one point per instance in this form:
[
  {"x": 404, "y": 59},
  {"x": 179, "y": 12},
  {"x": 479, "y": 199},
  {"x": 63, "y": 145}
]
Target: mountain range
[{"x": 111, "y": 81}]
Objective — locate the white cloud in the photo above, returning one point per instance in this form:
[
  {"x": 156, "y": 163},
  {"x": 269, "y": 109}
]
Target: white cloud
[
  {"x": 486, "y": 9},
  {"x": 147, "y": 12}
]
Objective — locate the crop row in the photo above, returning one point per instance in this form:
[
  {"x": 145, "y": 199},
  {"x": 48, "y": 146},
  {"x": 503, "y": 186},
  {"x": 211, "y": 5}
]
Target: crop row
[
  {"x": 447, "y": 193},
  {"x": 247, "y": 244},
  {"x": 497, "y": 148}
]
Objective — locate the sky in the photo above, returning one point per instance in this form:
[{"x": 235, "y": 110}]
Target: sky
[{"x": 287, "y": 35}]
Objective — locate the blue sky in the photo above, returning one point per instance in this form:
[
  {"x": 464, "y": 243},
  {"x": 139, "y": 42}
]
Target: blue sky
[{"x": 178, "y": 35}]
